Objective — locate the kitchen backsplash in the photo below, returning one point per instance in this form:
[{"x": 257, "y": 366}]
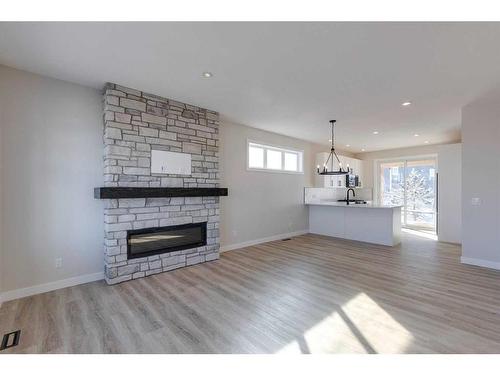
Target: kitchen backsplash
[{"x": 315, "y": 194}]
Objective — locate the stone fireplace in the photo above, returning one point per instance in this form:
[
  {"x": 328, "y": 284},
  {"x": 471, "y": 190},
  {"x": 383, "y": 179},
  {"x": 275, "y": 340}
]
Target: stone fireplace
[{"x": 135, "y": 124}]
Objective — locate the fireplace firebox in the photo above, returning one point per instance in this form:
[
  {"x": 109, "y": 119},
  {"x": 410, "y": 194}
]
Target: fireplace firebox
[{"x": 158, "y": 240}]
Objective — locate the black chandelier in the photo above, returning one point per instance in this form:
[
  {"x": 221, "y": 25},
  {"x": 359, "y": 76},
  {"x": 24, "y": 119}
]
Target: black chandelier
[{"x": 331, "y": 171}]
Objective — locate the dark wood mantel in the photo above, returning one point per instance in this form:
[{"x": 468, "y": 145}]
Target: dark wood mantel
[{"x": 148, "y": 192}]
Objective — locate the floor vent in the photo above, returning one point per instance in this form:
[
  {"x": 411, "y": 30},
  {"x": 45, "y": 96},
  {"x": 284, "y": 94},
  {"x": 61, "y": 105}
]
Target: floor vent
[{"x": 10, "y": 340}]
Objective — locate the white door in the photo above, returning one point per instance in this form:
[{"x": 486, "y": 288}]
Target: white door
[{"x": 411, "y": 183}]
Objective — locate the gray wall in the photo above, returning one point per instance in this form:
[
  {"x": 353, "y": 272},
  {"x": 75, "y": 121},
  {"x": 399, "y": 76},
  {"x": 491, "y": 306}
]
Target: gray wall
[
  {"x": 481, "y": 179},
  {"x": 260, "y": 204},
  {"x": 51, "y": 159},
  {"x": 51, "y": 153},
  {"x": 450, "y": 193},
  {"x": 51, "y": 149},
  {"x": 1, "y": 184}
]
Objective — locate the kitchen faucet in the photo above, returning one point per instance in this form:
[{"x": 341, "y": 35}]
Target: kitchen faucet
[{"x": 353, "y": 194}]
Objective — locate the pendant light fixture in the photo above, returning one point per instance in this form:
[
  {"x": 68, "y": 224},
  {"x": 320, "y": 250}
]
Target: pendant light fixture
[{"x": 329, "y": 170}]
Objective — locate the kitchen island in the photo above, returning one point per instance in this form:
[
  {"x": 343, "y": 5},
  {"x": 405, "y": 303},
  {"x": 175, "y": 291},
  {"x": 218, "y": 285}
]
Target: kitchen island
[{"x": 378, "y": 224}]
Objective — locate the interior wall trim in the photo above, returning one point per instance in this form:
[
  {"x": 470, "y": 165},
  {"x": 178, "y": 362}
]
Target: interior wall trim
[
  {"x": 262, "y": 240},
  {"x": 48, "y": 287},
  {"x": 480, "y": 263}
]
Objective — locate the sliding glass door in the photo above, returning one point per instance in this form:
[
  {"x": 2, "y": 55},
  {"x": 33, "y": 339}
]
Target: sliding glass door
[{"x": 411, "y": 183}]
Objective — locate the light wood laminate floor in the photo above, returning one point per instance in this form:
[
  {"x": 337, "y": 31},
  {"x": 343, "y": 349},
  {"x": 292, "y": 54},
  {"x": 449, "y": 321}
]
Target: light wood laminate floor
[{"x": 310, "y": 294}]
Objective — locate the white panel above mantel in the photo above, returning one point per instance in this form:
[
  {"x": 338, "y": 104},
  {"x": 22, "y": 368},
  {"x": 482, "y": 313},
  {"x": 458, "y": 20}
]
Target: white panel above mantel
[{"x": 167, "y": 162}]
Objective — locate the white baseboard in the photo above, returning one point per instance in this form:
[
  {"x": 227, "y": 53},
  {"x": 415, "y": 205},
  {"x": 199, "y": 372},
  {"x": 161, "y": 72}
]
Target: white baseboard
[
  {"x": 42, "y": 288},
  {"x": 262, "y": 240},
  {"x": 480, "y": 263}
]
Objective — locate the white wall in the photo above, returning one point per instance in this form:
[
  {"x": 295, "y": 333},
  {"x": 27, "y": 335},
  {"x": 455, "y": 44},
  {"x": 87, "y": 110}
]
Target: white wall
[
  {"x": 51, "y": 150},
  {"x": 260, "y": 204},
  {"x": 481, "y": 179},
  {"x": 449, "y": 168}
]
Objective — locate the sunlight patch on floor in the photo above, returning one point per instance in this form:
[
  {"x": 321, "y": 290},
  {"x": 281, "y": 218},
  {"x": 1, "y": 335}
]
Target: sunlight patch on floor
[
  {"x": 360, "y": 326},
  {"x": 423, "y": 234},
  {"x": 291, "y": 348}
]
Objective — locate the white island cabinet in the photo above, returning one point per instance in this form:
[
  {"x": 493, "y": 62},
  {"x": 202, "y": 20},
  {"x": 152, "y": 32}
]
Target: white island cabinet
[{"x": 378, "y": 224}]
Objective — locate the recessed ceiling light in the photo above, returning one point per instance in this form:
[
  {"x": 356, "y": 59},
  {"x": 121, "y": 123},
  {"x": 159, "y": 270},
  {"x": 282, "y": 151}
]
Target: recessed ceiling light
[
  {"x": 416, "y": 135},
  {"x": 426, "y": 142},
  {"x": 347, "y": 145},
  {"x": 329, "y": 140},
  {"x": 375, "y": 132},
  {"x": 207, "y": 74},
  {"x": 362, "y": 149},
  {"x": 406, "y": 104}
]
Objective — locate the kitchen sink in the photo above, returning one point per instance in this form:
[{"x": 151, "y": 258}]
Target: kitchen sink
[{"x": 355, "y": 201}]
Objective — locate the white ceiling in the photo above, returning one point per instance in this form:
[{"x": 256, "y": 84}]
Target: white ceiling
[{"x": 289, "y": 78}]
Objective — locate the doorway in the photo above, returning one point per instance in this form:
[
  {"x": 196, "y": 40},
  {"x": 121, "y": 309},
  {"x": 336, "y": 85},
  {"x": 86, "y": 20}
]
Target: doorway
[{"x": 411, "y": 183}]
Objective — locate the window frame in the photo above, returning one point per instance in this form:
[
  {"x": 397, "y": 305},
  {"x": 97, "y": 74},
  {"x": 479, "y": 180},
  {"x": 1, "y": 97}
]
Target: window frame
[
  {"x": 405, "y": 160},
  {"x": 283, "y": 150}
]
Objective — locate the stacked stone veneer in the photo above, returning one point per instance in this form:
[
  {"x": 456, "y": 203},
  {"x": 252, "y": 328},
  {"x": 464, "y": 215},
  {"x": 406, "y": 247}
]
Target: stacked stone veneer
[{"x": 134, "y": 124}]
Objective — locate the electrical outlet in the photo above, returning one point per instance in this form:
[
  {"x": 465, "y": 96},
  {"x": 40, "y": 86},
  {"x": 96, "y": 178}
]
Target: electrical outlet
[
  {"x": 58, "y": 262},
  {"x": 476, "y": 201}
]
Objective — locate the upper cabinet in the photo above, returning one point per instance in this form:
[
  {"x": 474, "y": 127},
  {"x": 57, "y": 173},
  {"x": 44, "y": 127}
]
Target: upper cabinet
[{"x": 337, "y": 181}]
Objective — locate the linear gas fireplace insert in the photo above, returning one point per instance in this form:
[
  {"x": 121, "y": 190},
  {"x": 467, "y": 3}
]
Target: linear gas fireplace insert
[{"x": 153, "y": 241}]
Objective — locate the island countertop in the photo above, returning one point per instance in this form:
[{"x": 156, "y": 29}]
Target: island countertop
[{"x": 334, "y": 203}]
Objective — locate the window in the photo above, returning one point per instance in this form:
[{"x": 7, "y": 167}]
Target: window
[
  {"x": 291, "y": 161},
  {"x": 272, "y": 158},
  {"x": 411, "y": 183},
  {"x": 255, "y": 157}
]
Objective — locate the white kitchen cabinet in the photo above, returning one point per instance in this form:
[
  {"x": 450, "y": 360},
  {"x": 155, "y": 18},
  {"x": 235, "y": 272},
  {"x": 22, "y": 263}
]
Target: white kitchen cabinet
[
  {"x": 321, "y": 159},
  {"x": 321, "y": 181},
  {"x": 357, "y": 166},
  {"x": 336, "y": 181},
  {"x": 326, "y": 181}
]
